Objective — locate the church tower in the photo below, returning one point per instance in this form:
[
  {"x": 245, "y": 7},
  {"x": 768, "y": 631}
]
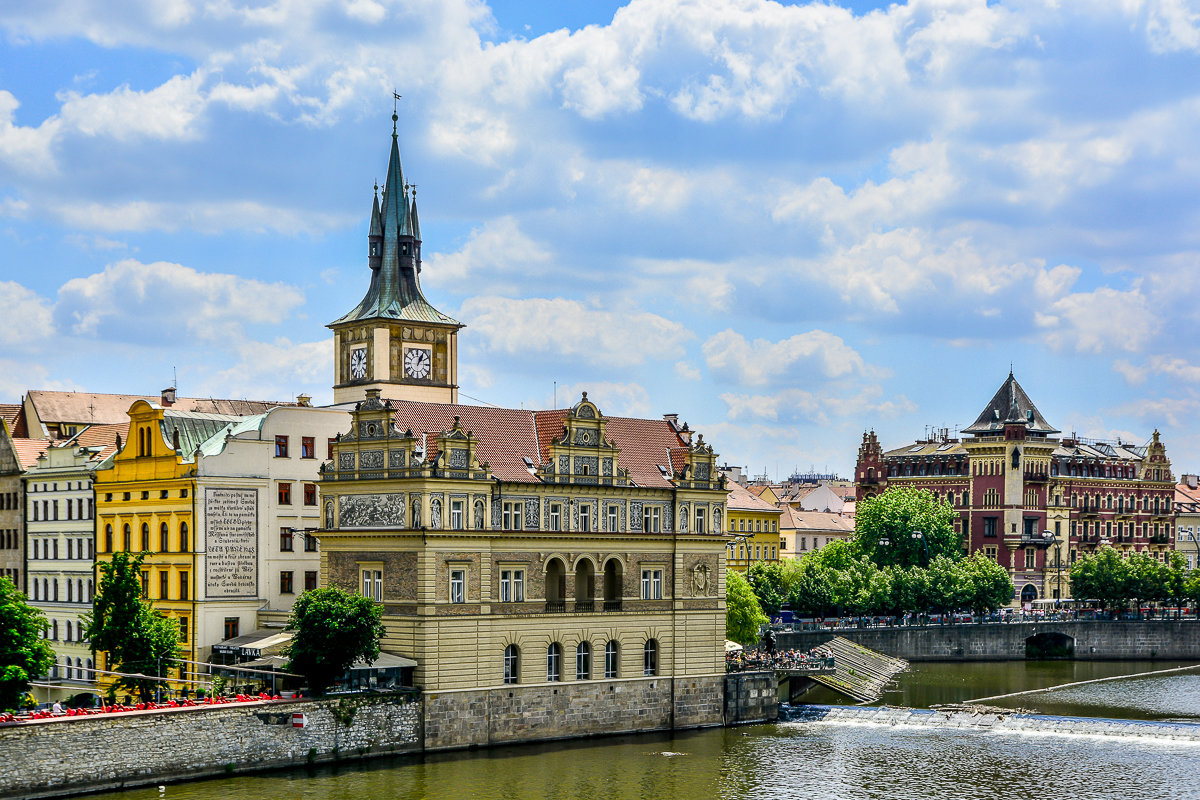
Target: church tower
[{"x": 394, "y": 340}]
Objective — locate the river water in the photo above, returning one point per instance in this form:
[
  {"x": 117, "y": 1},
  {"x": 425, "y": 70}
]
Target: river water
[{"x": 812, "y": 760}]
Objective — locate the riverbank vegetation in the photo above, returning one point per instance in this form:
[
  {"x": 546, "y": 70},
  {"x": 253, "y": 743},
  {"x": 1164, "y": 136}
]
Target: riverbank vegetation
[
  {"x": 904, "y": 557},
  {"x": 1117, "y": 581}
]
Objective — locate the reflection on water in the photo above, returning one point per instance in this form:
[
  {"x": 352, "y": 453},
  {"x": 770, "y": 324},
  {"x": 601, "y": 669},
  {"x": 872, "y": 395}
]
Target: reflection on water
[{"x": 808, "y": 761}]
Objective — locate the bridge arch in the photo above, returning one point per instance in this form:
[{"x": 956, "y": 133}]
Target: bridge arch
[{"x": 1049, "y": 645}]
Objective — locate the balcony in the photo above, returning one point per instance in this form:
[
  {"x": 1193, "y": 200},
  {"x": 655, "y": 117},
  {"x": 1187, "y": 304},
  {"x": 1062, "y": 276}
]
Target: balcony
[
  {"x": 612, "y": 605},
  {"x": 555, "y": 607},
  {"x": 1036, "y": 477},
  {"x": 585, "y": 606}
]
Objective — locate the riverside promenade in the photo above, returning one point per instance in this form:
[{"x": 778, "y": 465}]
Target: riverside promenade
[{"x": 1083, "y": 640}]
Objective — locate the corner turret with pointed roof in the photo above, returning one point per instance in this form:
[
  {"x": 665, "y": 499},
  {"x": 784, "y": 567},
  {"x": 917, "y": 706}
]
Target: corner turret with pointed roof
[
  {"x": 1010, "y": 406},
  {"x": 394, "y": 340}
]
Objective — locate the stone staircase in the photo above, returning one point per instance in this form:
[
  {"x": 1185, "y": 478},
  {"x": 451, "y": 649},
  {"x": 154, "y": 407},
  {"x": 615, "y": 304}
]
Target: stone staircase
[{"x": 858, "y": 672}]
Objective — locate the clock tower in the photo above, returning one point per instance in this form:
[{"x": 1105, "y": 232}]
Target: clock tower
[{"x": 394, "y": 340}]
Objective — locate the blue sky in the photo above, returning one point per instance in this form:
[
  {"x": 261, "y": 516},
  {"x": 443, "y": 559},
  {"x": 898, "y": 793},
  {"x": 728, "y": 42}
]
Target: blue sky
[{"x": 788, "y": 223}]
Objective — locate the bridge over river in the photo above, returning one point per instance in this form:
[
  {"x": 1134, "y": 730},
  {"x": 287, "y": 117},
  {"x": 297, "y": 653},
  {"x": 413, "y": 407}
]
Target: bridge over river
[{"x": 1084, "y": 640}]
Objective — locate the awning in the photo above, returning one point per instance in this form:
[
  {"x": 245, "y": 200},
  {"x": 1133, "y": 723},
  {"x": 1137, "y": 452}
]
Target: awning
[
  {"x": 254, "y": 645},
  {"x": 732, "y": 647}
]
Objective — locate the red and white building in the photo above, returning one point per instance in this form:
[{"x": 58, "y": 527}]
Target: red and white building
[{"x": 1029, "y": 498}]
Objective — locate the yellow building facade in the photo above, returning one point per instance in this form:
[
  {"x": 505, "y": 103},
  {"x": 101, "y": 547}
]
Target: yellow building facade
[
  {"x": 146, "y": 503},
  {"x": 754, "y": 528}
]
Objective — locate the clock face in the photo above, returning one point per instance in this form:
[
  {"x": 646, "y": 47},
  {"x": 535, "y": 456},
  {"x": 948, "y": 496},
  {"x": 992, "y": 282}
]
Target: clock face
[
  {"x": 358, "y": 363},
  {"x": 416, "y": 363}
]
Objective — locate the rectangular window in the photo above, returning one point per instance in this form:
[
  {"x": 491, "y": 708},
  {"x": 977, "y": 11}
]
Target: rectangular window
[
  {"x": 456, "y": 515},
  {"x": 585, "y": 517},
  {"x": 183, "y": 629},
  {"x": 329, "y": 448},
  {"x": 281, "y": 447},
  {"x": 146, "y": 583},
  {"x": 512, "y": 586},
  {"x": 652, "y": 584},
  {"x": 1029, "y": 557},
  {"x": 458, "y": 586},
  {"x": 232, "y": 624},
  {"x": 989, "y": 527},
  {"x": 164, "y": 583},
  {"x": 285, "y": 583},
  {"x": 285, "y": 540},
  {"x": 611, "y": 660},
  {"x": 372, "y": 584},
  {"x": 310, "y": 543},
  {"x": 183, "y": 586},
  {"x": 310, "y": 580},
  {"x": 991, "y": 552},
  {"x": 310, "y": 494},
  {"x": 700, "y": 516},
  {"x": 514, "y": 516},
  {"x": 651, "y": 519},
  {"x": 308, "y": 447},
  {"x": 285, "y": 494},
  {"x": 614, "y": 518},
  {"x": 555, "y": 517}
]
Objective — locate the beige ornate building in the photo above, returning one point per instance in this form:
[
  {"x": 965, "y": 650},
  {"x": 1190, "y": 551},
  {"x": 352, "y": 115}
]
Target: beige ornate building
[{"x": 552, "y": 573}]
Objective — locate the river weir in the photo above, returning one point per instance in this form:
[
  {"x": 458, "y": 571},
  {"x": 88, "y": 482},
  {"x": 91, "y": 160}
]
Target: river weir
[{"x": 993, "y": 720}]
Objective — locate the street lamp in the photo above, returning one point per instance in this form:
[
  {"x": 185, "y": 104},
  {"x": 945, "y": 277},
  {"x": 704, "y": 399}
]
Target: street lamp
[
  {"x": 1051, "y": 538},
  {"x": 925, "y": 544}
]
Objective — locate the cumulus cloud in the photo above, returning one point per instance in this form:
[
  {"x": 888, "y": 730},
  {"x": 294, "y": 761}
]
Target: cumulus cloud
[
  {"x": 277, "y": 370},
  {"x": 613, "y": 398},
  {"x": 28, "y": 317},
  {"x": 492, "y": 253},
  {"x": 163, "y": 302},
  {"x": 569, "y": 329},
  {"x": 815, "y": 354},
  {"x": 818, "y": 407},
  {"x": 1102, "y": 320}
]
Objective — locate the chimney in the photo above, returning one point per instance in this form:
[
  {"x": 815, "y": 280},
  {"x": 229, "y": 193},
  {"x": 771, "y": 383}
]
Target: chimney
[
  {"x": 1192, "y": 481},
  {"x": 168, "y": 397},
  {"x": 304, "y": 400},
  {"x": 673, "y": 419}
]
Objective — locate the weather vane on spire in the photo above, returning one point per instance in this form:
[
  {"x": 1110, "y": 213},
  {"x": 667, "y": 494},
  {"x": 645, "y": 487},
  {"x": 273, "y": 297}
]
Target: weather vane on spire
[{"x": 395, "y": 101}]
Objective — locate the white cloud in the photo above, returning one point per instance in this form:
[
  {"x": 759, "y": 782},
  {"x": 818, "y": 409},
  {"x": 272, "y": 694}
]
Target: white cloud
[
  {"x": 163, "y": 303},
  {"x": 815, "y": 355},
  {"x": 818, "y": 407},
  {"x": 24, "y": 148},
  {"x": 496, "y": 248},
  {"x": 166, "y": 112},
  {"x": 687, "y": 371},
  {"x": 28, "y": 317},
  {"x": 1099, "y": 321},
  {"x": 203, "y": 216},
  {"x": 613, "y": 399},
  {"x": 569, "y": 329},
  {"x": 277, "y": 370}
]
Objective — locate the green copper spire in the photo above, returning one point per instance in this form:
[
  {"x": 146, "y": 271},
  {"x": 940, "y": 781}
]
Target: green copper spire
[{"x": 395, "y": 255}]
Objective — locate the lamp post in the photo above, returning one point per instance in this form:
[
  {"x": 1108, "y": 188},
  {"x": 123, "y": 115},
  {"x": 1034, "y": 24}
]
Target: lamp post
[
  {"x": 1051, "y": 538},
  {"x": 925, "y": 544}
]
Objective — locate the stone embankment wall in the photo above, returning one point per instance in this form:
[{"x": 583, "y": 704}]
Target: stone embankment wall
[
  {"x": 477, "y": 718},
  {"x": 1093, "y": 641},
  {"x": 67, "y": 756}
]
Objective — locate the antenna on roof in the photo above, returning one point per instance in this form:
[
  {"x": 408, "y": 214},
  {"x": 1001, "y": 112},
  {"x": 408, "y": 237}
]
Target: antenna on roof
[
  {"x": 175, "y": 378},
  {"x": 555, "y": 395}
]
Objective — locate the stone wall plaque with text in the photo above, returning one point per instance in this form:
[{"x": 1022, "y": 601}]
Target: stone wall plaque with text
[{"x": 231, "y": 541}]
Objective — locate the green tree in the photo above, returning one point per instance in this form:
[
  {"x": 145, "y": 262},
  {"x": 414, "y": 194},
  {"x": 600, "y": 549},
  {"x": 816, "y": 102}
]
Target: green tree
[
  {"x": 1175, "y": 574},
  {"x": 138, "y": 639},
  {"x": 810, "y": 588},
  {"x": 894, "y": 517},
  {"x": 24, "y": 654},
  {"x": 987, "y": 584},
  {"x": 767, "y": 579},
  {"x": 743, "y": 615},
  {"x": 334, "y": 629},
  {"x": 1191, "y": 586},
  {"x": 1102, "y": 576},
  {"x": 946, "y": 587}
]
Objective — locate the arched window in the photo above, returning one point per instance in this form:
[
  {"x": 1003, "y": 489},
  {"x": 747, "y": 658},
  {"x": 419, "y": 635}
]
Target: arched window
[
  {"x": 70, "y": 599},
  {"x": 650, "y": 658},
  {"x": 585, "y": 585},
  {"x": 554, "y": 662},
  {"x": 164, "y": 543},
  {"x": 145, "y": 537},
  {"x": 91, "y": 670},
  {"x": 126, "y": 538},
  {"x": 612, "y": 585},
  {"x": 512, "y": 659},
  {"x": 68, "y": 627},
  {"x": 612, "y": 659},
  {"x": 183, "y": 537},
  {"x": 108, "y": 539},
  {"x": 91, "y": 591},
  {"x": 54, "y": 630},
  {"x": 556, "y": 584},
  {"x": 79, "y": 669},
  {"x": 583, "y": 661}
]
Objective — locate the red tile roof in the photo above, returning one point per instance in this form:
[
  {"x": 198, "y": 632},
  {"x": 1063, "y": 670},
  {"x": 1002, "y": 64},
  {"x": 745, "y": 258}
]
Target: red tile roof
[
  {"x": 14, "y": 415},
  {"x": 28, "y": 450},
  {"x": 506, "y": 436},
  {"x": 742, "y": 499}
]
